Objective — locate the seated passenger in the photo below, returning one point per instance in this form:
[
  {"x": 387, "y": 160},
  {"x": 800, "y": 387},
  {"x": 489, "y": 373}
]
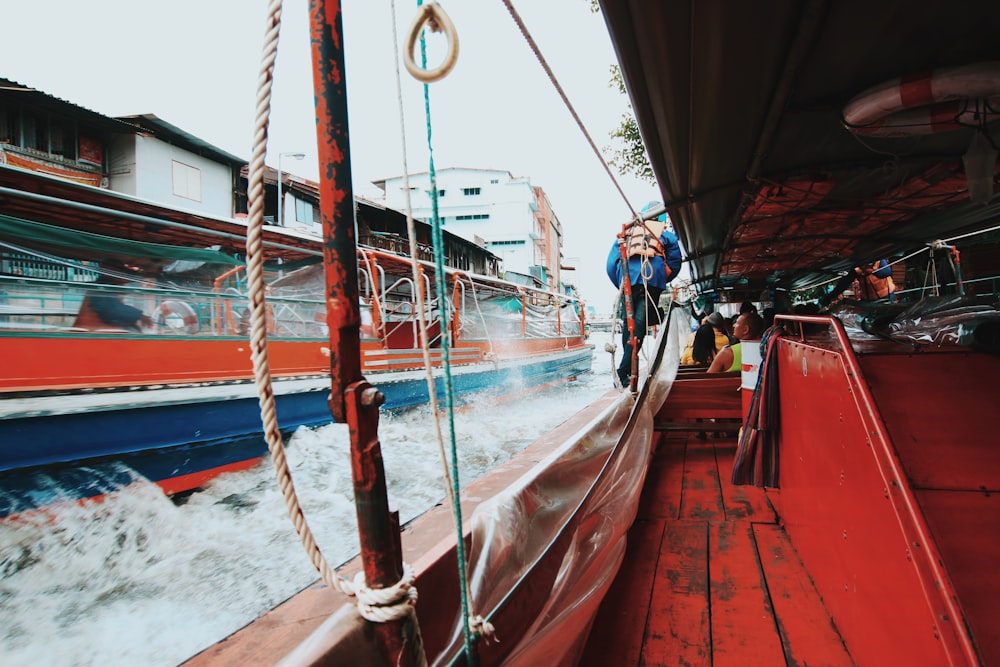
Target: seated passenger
[
  {"x": 700, "y": 350},
  {"x": 104, "y": 310},
  {"x": 749, "y": 326},
  {"x": 718, "y": 322}
]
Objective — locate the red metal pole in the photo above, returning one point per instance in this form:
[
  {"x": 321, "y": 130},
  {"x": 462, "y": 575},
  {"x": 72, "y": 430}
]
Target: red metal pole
[
  {"x": 353, "y": 400},
  {"x": 629, "y": 315}
]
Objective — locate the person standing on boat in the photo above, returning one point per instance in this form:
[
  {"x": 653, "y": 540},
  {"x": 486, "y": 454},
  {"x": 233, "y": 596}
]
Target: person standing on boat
[
  {"x": 101, "y": 309},
  {"x": 875, "y": 282},
  {"x": 654, "y": 259}
]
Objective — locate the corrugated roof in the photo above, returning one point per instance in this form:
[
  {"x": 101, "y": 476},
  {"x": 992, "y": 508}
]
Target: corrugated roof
[
  {"x": 27, "y": 94},
  {"x": 175, "y": 135}
]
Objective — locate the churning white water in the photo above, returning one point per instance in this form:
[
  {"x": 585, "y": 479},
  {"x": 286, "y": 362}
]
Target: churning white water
[{"x": 140, "y": 580}]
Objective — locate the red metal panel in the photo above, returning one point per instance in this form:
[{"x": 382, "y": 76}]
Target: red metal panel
[
  {"x": 933, "y": 406},
  {"x": 743, "y": 626},
  {"x": 679, "y": 611},
  {"x": 838, "y": 512},
  {"x": 56, "y": 363},
  {"x": 965, "y": 527},
  {"x": 807, "y": 632}
]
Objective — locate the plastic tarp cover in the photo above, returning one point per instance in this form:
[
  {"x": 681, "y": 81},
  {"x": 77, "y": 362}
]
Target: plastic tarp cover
[
  {"x": 956, "y": 320},
  {"x": 946, "y": 320},
  {"x": 545, "y": 550}
]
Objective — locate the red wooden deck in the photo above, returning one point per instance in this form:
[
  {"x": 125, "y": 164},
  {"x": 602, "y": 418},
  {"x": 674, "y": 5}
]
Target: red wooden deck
[{"x": 709, "y": 577}]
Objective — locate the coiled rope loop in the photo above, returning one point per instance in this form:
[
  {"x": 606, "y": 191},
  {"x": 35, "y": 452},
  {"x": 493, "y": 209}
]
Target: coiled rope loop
[
  {"x": 381, "y": 605},
  {"x": 436, "y": 19}
]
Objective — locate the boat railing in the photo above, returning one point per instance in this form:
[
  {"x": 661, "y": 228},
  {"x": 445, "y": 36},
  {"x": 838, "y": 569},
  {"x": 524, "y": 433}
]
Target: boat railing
[
  {"x": 504, "y": 313},
  {"x": 487, "y": 311}
]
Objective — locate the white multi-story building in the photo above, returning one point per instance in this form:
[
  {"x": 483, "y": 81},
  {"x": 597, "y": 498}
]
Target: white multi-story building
[{"x": 505, "y": 214}]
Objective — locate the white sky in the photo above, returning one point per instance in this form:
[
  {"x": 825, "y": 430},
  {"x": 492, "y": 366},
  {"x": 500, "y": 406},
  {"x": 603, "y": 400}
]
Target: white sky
[{"x": 195, "y": 64}]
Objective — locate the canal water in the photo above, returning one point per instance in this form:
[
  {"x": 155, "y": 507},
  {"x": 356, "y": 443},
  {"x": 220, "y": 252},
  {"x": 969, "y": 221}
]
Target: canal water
[{"x": 139, "y": 579}]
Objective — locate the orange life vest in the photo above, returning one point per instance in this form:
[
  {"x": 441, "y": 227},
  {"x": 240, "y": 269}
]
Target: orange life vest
[
  {"x": 645, "y": 239},
  {"x": 873, "y": 287}
]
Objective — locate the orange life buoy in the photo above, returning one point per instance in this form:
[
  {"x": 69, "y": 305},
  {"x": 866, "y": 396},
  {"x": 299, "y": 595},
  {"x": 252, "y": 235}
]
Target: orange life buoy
[
  {"x": 939, "y": 101},
  {"x": 177, "y": 317}
]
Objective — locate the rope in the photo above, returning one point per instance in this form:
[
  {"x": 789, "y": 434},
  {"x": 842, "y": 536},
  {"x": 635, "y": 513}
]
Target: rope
[
  {"x": 379, "y": 606},
  {"x": 467, "y": 637},
  {"x": 435, "y": 18},
  {"x": 417, "y": 277},
  {"x": 562, "y": 94},
  {"x": 913, "y": 254},
  {"x": 470, "y": 628}
]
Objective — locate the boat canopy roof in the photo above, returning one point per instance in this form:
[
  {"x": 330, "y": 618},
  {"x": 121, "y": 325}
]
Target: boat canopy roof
[
  {"x": 745, "y": 110},
  {"x": 80, "y": 244}
]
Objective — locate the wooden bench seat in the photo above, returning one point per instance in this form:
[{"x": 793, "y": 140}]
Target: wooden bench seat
[{"x": 697, "y": 397}]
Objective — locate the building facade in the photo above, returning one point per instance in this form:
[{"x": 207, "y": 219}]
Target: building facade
[
  {"x": 503, "y": 213},
  {"x": 149, "y": 160}
]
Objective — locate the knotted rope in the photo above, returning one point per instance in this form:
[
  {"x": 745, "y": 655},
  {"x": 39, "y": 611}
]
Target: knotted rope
[{"x": 376, "y": 605}]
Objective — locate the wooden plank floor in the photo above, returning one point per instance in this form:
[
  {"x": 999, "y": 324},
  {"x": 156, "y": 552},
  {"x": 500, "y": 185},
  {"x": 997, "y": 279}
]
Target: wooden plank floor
[{"x": 709, "y": 576}]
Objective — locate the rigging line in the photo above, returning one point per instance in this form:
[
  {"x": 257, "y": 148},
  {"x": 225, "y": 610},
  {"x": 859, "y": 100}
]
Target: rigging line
[
  {"x": 255, "y": 281},
  {"x": 468, "y": 609},
  {"x": 468, "y": 636},
  {"x": 417, "y": 274},
  {"x": 963, "y": 236},
  {"x": 562, "y": 94}
]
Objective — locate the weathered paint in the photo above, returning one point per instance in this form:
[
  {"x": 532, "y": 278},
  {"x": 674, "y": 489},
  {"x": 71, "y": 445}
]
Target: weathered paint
[
  {"x": 336, "y": 200},
  {"x": 352, "y": 400}
]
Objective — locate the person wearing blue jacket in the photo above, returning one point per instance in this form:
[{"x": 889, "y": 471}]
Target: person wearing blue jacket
[{"x": 654, "y": 259}]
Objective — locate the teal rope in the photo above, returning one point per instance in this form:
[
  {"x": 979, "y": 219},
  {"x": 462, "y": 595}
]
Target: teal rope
[{"x": 471, "y": 655}]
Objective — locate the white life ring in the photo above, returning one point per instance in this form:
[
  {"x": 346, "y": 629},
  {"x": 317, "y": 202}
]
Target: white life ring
[
  {"x": 940, "y": 101},
  {"x": 177, "y": 317}
]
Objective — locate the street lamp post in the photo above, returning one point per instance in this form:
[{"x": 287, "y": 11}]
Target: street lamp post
[{"x": 281, "y": 192}]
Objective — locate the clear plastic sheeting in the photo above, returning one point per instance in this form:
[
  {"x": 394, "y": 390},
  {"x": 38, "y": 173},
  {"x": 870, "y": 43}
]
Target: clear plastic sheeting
[
  {"x": 500, "y": 316},
  {"x": 863, "y": 321},
  {"x": 956, "y": 320},
  {"x": 949, "y": 320},
  {"x": 545, "y": 549}
]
